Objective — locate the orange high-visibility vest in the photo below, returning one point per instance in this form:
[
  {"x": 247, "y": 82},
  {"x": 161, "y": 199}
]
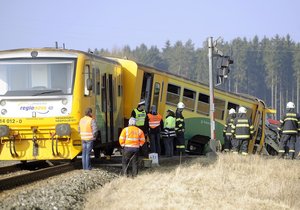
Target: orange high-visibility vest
[
  {"x": 132, "y": 136},
  {"x": 85, "y": 125},
  {"x": 154, "y": 120}
]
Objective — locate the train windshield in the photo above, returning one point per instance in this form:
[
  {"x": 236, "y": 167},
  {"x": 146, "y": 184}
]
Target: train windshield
[{"x": 34, "y": 77}]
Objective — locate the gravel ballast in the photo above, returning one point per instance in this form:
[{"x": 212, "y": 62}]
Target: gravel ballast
[{"x": 65, "y": 191}]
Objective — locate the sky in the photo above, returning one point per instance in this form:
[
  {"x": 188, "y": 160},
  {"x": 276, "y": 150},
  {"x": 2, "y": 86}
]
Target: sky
[{"x": 112, "y": 24}]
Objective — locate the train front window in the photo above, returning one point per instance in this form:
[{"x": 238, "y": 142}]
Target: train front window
[{"x": 32, "y": 77}]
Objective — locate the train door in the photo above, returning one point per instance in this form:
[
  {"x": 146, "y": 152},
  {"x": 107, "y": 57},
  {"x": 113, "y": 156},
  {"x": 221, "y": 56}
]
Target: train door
[
  {"x": 97, "y": 92},
  {"x": 107, "y": 106},
  {"x": 146, "y": 89},
  {"x": 158, "y": 88}
]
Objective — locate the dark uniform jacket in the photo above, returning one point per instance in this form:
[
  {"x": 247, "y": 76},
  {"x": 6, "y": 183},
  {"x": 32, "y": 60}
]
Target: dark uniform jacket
[
  {"x": 227, "y": 127},
  {"x": 242, "y": 127},
  {"x": 180, "y": 125},
  {"x": 289, "y": 123}
]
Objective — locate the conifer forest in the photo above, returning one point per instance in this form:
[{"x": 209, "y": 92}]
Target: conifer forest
[{"x": 267, "y": 68}]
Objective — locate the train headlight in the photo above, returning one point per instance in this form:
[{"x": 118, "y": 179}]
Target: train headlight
[
  {"x": 2, "y": 102},
  {"x": 64, "y": 101},
  {"x": 63, "y": 129},
  {"x": 64, "y": 110},
  {"x": 4, "y": 131},
  {"x": 3, "y": 111}
]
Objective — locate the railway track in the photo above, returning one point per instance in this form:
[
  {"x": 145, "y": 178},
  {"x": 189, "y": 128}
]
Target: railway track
[
  {"x": 32, "y": 165},
  {"x": 31, "y": 176}
]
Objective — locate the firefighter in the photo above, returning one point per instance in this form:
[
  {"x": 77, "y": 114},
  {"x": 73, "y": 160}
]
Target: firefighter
[
  {"x": 88, "y": 132},
  {"x": 242, "y": 131},
  {"x": 140, "y": 116},
  {"x": 154, "y": 123},
  {"x": 288, "y": 130},
  {"x": 131, "y": 139},
  {"x": 179, "y": 129},
  {"x": 168, "y": 133},
  {"x": 227, "y": 130}
]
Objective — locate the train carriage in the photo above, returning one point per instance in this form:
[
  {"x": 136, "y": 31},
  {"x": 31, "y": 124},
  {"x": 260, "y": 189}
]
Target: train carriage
[
  {"x": 44, "y": 92},
  {"x": 165, "y": 90},
  {"x": 43, "y": 95}
]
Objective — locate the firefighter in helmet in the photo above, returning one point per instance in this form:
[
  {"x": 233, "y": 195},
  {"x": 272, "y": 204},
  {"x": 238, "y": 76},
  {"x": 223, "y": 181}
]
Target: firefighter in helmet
[
  {"x": 242, "y": 131},
  {"x": 288, "y": 130},
  {"x": 179, "y": 129},
  {"x": 227, "y": 130}
]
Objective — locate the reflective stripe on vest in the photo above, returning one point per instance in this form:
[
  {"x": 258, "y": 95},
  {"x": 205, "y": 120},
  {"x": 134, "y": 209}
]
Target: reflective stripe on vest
[
  {"x": 86, "y": 132},
  {"x": 154, "y": 120},
  {"x": 140, "y": 117}
]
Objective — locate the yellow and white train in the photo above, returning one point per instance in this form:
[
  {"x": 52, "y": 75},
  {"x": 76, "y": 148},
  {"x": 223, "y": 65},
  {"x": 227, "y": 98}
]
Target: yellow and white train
[{"x": 44, "y": 92}]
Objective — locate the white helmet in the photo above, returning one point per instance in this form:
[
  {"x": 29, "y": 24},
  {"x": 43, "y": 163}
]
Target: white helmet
[
  {"x": 180, "y": 105},
  {"x": 231, "y": 111},
  {"x": 290, "y": 105},
  {"x": 132, "y": 121},
  {"x": 242, "y": 110}
]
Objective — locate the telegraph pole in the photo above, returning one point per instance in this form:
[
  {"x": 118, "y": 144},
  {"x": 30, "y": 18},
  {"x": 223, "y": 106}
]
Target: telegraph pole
[
  {"x": 222, "y": 75},
  {"x": 212, "y": 142}
]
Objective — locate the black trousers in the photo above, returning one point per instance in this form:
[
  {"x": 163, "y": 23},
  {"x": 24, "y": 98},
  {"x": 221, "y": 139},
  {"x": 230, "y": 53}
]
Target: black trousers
[
  {"x": 130, "y": 157},
  {"x": 227, "y": 142},
  {"x": 155, "y": 143},
  {"x": 287, "y": 142},
  {"x": 180, "y": 144},
  {"x": 240, "y": 145},
  {"x": 169, "y": 146}
]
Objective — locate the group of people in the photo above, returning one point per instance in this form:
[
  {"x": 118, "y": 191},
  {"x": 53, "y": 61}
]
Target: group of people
[
  {"x": 238, "y": 130},
  {"x": 133, "y": 138},
  {"x": 141, "y": 125}
]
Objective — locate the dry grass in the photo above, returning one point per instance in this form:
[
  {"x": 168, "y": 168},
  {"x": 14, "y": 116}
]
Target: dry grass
[{"x": 230, "y": 182}]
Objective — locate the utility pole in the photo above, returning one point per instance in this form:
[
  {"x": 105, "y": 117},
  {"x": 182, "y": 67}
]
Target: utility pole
[
  {"x": 212, "y": 142},
  {"x": 223, "y": 71}
]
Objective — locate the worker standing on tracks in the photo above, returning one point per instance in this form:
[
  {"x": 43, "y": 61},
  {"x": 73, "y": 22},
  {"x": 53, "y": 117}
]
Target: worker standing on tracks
[
  {"x": 227, "y": 130},
  {"x": 88, "y": 132},
  {"x": 140, "y": 116},
  {"x": 154, "y": 123},
  {"x": 179, "y": 129},
  {"x": 242, "y": 132},
  {"x": 288, "y": 130},
  {"x": 131, "y": 139},
  {"x": 168, "y": 133}
]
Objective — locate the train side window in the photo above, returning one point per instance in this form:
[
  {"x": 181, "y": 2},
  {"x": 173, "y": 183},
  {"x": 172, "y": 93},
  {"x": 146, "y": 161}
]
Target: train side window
[
  {"x": 173, "y": 94},
  {"x": 249, "y": 113},
  {"x": 103, "y": 94},
  {"x": 232, "y": 106},
  {"x": 120, "y": 91},
  {"x": 86, "y": 77},
  {"x": 97, "y": 78},
  {"x": 156, "y": 94},
  {"x": 203, "y": 104},
  {"x": 189, "y": 97},
  {"x": 219, "y": 108}
]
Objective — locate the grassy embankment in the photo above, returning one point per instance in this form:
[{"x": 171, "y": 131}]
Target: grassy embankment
[{"x": 229, "y": 182}]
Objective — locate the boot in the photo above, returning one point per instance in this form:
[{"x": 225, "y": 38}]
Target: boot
[{"x": 291, "y": 155}]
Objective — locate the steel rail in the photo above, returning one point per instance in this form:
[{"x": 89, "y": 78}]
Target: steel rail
[{"x": 18, "y": 180}]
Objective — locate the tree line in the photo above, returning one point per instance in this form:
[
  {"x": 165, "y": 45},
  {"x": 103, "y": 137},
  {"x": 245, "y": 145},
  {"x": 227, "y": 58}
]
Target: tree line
[{"x": 268, "y": 68}]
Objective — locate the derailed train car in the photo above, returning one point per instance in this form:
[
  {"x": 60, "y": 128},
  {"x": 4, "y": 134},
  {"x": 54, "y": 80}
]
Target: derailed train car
[{"x": 44, "y": 92}]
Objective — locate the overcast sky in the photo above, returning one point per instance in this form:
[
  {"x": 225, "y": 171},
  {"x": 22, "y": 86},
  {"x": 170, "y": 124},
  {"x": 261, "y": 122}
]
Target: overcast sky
[{"x": 83, "y": 24}]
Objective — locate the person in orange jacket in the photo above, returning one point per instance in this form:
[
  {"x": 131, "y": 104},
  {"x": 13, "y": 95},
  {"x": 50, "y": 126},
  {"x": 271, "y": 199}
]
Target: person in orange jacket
[
  {"x": 88, "y": 132},
  {"x": 131, "y": 139},
  {"x": 154, "y": 123}
]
